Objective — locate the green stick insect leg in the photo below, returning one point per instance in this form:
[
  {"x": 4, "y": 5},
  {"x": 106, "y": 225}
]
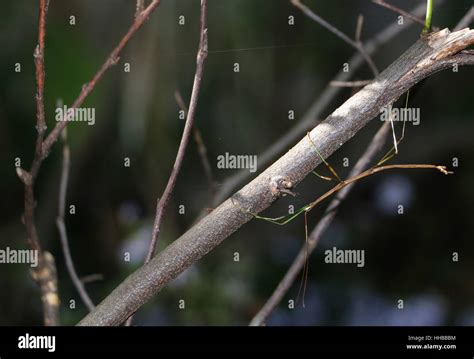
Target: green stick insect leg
[
  {"x": 391, "y": 153},
  {"x": 304, "y": 273},
  {"x": 333, "y": 171}
]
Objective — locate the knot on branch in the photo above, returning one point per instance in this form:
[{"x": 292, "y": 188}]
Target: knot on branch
[
  {"x": 24, "y": 176},
  {"x": 41, "y": 128},
  {"x": 444, "y": 170},
  {"x": 114, "y": 60},
  {"x": 45, "y": 275},
  {"x": 37, "y": 54},
  {"x": 203, "y": 47},
  {"x": 281, "y": 186}
]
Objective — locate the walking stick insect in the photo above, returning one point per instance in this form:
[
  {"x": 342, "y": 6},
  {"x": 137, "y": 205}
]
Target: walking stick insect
[{"x": 379, "y": 167}]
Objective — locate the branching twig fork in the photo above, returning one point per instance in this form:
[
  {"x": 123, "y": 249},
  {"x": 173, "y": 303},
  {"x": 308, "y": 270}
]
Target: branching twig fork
[{"x": 111, "y": 60}]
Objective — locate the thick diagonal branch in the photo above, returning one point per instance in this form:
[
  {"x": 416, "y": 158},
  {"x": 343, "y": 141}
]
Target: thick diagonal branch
[{"x": 428, "y": 55}]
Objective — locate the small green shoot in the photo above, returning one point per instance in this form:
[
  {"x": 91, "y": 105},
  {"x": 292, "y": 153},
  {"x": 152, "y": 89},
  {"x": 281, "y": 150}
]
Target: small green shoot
[{"x": 429, "y": 14}]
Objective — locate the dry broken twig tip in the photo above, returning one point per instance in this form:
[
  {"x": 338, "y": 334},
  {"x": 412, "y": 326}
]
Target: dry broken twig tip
[{"x": 139, "y": 7}]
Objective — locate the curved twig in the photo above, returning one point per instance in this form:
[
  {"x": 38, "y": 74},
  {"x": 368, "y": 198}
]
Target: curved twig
[{"x": 78, "y": 284}]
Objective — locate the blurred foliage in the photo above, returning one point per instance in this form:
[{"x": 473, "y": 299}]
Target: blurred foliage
[{"x": 282, "y": 67}]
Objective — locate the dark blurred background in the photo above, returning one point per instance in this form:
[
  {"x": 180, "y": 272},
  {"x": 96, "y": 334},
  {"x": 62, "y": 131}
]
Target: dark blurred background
[{"x": 282, "y": 68}]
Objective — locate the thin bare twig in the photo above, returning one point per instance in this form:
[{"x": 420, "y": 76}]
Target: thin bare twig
[
  {"x": 202, "y": 150},
  {"x": 111, "y": 60},
  {"x": 40, "y": 76},
  {"x": 45, "y": 272},
  {"x": 361, "y": 83},
  {"x": 357, "y": 45},
  {"x": 92, "y": 278},
  {"x": 78, "y": 284},
  {"x": 162, "y": 203},
  {"x": 399, "y": 11},
  {"x": 360, "y": 24}
]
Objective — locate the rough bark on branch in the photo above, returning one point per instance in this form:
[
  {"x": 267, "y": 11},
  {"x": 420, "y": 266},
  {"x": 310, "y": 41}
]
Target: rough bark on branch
[{"x": 430, "y": 54}]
